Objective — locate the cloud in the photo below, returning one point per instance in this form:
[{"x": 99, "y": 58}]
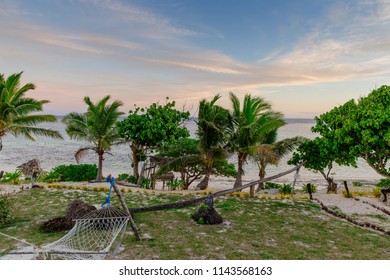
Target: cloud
[
  {"x": 156, "y": 25},
  {"x": 349, "y": 43}
]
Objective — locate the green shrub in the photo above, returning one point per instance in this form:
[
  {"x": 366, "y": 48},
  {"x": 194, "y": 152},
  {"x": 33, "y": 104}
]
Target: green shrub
[
  {"x": 13, "y": 177},
  {"x": 127, "y": 178},
  {"x": 383, "y": 183},
  {"x": 72, "y": 172},
  {"x": 271, "y": 185},
  {"x": 312, "y": 187},
  {"x": 6, "y": 216},
  {"x": 285, "y": 189},
  {"x": 204, "y": 206},
  {"x": 146, "y": 183},
  {"x": 177, "y": 184},
  {"x": 357, "y": 184}
]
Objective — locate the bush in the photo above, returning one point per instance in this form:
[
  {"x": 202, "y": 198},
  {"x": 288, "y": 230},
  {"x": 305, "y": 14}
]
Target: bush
[
  {"x": 146, "y": 182},
  {"x": 271, "y": 185},
  {"x": 312, "y": 186},
  {"x": 285, "y": 189},
  {"x": 72, "y": 172},
  {"x": 127, "y": 178},
  {"x": 177, "y": 184},
  {"x": 383, "y": 183},
  {"x": 6, "y": 216},
  {"x": 357, "y": 184},
  {"x": 13, "y": 177}
]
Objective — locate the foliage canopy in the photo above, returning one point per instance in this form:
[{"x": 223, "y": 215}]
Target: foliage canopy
[
  {"x": 97, "y": 126},
  {"x": 149, "y": 128},
  {"x": 18, "y": 113},
  {"x": 360, "y": 129}
]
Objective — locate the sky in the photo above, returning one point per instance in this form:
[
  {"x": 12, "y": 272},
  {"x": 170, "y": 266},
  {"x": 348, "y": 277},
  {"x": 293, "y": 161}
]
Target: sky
[{"x": 304, "y": 56}]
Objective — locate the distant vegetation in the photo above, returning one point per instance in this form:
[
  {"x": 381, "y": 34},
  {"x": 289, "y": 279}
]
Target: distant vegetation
[{"x": 248, "y": 130}]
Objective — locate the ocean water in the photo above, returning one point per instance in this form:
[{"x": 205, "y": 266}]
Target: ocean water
[{"x": 51, "y": 153}]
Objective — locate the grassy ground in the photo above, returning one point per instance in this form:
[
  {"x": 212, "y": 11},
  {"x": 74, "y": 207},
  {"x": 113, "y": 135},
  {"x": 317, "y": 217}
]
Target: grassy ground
[{"x": 253, "y": 228}]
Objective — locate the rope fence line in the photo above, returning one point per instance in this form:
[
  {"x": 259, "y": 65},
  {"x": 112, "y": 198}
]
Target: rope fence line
[{"x": 210, "y": 196}]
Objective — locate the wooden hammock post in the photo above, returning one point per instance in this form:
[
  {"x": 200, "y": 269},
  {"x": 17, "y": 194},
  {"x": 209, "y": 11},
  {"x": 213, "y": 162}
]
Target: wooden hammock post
[
  {"x": 296, "y": 176},
  {"x": 346, "y": 189},
  {"x": 309, "y": 190},
  {"x": 126, "y": 209}
]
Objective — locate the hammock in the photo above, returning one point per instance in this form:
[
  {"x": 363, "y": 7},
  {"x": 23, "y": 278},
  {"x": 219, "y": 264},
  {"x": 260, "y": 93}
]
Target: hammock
[{"x": 91, "y": 237}]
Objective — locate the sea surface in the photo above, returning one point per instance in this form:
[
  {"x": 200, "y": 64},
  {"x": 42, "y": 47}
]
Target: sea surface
[{"x": 51, "y": 153}]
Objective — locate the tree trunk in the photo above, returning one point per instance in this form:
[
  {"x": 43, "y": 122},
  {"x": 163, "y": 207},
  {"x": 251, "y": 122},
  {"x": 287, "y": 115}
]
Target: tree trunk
[
  {"x": 261, "y": 176},
  {"x": 332, "y": 186},
  {"x": 99, "y": 174},
  {"x": 135, "y": 160},
  {"x": 240, "y": 171},
  {"x": 252, "y": 191},
  {"x": 204, "y": 183}
]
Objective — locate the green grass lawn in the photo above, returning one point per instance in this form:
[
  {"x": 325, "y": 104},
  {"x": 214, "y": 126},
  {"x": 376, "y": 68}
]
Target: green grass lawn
[{"x": 253, "y": 228}]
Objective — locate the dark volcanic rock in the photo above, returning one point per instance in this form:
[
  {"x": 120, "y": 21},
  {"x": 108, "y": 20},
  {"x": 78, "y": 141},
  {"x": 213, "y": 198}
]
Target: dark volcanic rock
[{"x": 207, "y": 215}]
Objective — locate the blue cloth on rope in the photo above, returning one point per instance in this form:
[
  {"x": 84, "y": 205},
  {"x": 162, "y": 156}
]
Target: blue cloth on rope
[{"x": 107, "y": 203}]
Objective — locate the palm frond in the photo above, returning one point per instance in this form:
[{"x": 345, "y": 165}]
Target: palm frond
[
  {"x": 34, "y": 119},
  {"x": 287, "y": 145},
  {"x": 28, "y": 131},
  {"x": 265, "y": 153},
  {"x": 81, "y": 153},
  {"x": 179, "y": 163}
]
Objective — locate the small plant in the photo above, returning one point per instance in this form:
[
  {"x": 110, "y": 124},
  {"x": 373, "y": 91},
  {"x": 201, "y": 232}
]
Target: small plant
[
  {"x": 176, "y": 184},
  {"x": 376, "y": 192},
  {"x": 357, "y": 184},
  {"x": 6, "y": 216},
  {"x": 146, "y": 183},
  {"x": 383, "y": 183},
  {"x": 127, "y": 178},
  {"x": 285, "y": 189},
  {"x": 271, "y": 185},
  {"x": 204, "y": 206},
  {"x": 200, "y": 221},
  {"x": 347, "y": 195},
  {"x": 13, "y": 177},
  {"x": 312, "y": 187}
]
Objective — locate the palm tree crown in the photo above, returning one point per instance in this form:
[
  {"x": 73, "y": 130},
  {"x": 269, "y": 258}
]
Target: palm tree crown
[
  {"x": 252, "y": 123},
  {"x": 17, "y": 112},
  {"x": 96, "y": 126},
  {"x": 214, "y": 127}
]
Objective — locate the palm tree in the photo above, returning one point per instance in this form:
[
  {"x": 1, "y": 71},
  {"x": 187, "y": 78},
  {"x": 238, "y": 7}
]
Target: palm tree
[
  {"x": 272, "y": 151},
  {"x": 214, "y": 127},
  {"x": 96, "y": 126},
  {"x": 18, "y": 113},
  {"x": 252, "y": 123}
]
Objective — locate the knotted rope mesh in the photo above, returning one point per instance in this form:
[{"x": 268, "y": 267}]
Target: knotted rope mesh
[{"x": 91, "y": 237}]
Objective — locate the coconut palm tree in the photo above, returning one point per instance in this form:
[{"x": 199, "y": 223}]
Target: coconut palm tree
[
  {"x": 214, "y": 126},
  {"x": 272, "y": 151},
  {"x": 96, "y": 126},
  {"x": 18, "y": 113},
  {"x": 252, "y": 123}
]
